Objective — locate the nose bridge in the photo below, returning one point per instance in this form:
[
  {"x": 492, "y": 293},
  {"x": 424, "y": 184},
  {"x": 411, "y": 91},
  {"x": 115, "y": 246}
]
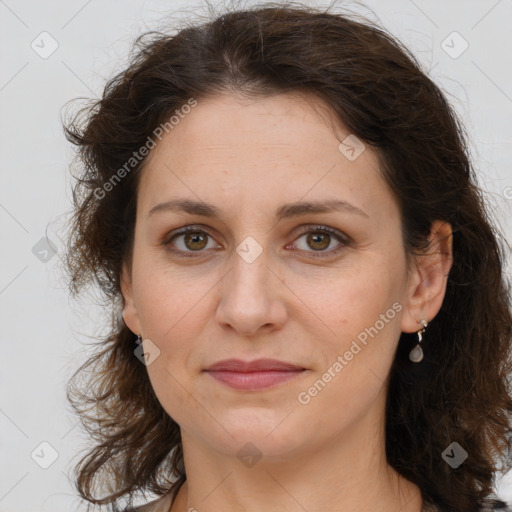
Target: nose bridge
[
  {"x": 248, "y": 298},
  {"x": 251, "y": 255},
  {"x": 249, "y": 276}
]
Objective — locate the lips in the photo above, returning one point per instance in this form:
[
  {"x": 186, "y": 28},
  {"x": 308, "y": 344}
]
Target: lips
[
  {"x": 253, "y": 375},
  {"x": 258, "y": 365}
]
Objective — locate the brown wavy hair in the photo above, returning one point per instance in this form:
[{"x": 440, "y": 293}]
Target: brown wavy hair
[{"x": 461, "y": 390}]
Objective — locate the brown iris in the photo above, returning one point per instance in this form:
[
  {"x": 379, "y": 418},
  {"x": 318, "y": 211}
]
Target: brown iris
[
  {"x": 196, "y": 238},
  {"x": 313, "y": 238}
]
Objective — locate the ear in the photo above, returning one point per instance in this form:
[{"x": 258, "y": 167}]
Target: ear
[
  {"x": 428, "y": 278},
  {"x": 130, "y": 316}
]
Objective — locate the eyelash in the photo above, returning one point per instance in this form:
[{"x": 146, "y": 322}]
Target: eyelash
[{"x": 342, "y": 238}]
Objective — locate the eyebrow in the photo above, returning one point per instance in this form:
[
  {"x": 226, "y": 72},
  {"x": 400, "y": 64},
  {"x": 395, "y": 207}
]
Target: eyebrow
[{"x": 286, "y": 211}]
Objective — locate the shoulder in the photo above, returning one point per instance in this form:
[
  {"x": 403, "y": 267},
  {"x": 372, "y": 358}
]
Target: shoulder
[{"x": 162, "y": 504}]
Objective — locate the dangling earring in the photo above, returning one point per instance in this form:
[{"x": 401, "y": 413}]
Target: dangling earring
[
  {"x": 139, "y": 339},
  {"x": 416, "y": 354}
]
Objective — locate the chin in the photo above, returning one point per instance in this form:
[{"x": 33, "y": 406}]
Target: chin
[{"x": 271, "y": 432}]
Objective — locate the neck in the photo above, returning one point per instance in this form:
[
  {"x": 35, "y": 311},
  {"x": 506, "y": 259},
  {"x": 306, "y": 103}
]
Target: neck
[{"x": 351, "y": 473}]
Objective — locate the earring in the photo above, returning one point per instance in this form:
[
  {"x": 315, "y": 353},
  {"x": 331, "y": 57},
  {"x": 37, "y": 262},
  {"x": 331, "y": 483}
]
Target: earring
[
  {"x": 416, "y": 354},
  {"x": 139, "y": 339}
]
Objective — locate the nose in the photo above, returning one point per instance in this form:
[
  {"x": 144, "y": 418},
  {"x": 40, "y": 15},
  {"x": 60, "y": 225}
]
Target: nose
[{"x": 251, "y": 297}]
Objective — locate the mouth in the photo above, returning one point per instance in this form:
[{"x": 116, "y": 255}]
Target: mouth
[{"x": 254, "y": 375}]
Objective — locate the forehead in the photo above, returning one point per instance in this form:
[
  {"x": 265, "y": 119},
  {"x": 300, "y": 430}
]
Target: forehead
[
  {"x": 256, "y": 151},
  {"x": 226, "y": 122}
]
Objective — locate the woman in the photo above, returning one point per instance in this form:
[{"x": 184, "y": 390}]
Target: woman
[{"x": 309, "y": 308}]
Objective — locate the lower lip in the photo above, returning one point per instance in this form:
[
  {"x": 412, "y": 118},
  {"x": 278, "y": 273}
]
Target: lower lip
[{"x": 252, "y": 381}]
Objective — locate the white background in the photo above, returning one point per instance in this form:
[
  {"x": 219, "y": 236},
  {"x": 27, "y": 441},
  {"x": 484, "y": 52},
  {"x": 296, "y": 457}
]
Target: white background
[{"x": 43, "y": 332}]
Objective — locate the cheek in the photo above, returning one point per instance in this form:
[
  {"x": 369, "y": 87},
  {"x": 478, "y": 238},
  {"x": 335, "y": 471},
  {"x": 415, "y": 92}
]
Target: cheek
[
  {"x": 171, "y": 309},
  {"x": 363, "y": 312},
  {"x": 169, "y": 299},
  {"x": 361, "y": 308},
  {"x": 354, "y": 298},
  {"x": 172, "y": 313}
]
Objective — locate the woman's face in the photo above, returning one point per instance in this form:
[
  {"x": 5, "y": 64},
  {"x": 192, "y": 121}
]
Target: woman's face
[{"x": 262, "y": 279}]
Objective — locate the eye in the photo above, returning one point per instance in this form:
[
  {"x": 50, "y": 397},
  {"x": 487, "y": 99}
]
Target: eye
[
  {"x": 191, "y": 241},
  {"x": 320, "y": 237}
]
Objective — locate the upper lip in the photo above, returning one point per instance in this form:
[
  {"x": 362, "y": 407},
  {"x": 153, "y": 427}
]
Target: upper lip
[{"x": 237, "y": 365}]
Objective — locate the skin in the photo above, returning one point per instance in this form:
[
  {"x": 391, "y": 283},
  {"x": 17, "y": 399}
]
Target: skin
[{"x": 248, "y": 157}]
